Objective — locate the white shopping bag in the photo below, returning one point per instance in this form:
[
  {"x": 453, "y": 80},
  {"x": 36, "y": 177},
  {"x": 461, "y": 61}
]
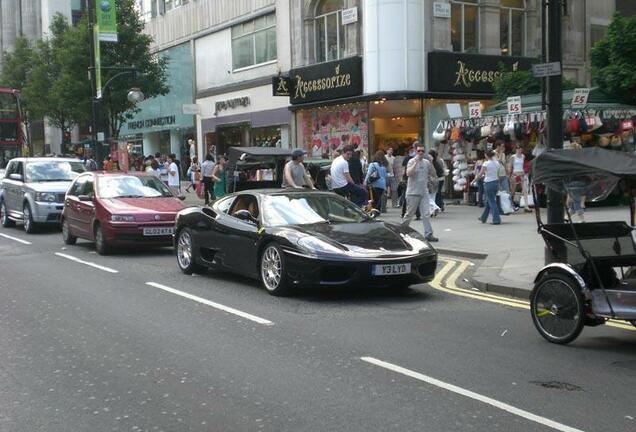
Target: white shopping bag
[
  {"x": 522, "y": 201},
  {"x": 506, "y": 203}
]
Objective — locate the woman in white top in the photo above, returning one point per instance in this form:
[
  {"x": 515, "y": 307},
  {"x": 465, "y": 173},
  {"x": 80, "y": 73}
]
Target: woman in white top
[
  {"x": 518, "y": 176},
  {"x": 491, "y": 186}
]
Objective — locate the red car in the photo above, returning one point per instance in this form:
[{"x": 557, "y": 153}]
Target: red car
[{"x": 119, "y": 209}]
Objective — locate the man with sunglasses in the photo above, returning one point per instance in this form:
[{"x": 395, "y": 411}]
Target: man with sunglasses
[{"x": 418, "y": 171}]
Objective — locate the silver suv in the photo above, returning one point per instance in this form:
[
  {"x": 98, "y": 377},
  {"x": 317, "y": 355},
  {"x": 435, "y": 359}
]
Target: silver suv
[{"x": 32, "y": 190}]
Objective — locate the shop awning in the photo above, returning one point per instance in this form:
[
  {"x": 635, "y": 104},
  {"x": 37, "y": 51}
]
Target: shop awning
[{"x": 597, "y": 101}]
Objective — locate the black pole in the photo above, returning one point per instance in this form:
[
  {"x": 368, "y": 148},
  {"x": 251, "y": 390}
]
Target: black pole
[
  {"x": 94, "y": 101},
  {"x": 555, "y": 108},
  {"x": 544, "y": 58}
]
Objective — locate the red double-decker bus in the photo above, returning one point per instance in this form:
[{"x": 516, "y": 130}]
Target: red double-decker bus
[{"x": 12, "y": 136}]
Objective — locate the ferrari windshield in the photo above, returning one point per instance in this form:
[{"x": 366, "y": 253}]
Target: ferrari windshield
[
  {"x": 309, "y": 208},
  {"x": 128, "y": 186},
  {"x": 49, "y": 171}
]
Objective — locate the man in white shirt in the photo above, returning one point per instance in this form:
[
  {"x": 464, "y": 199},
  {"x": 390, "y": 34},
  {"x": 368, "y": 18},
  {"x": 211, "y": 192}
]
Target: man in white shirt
[
  {"x": 174, "y": 181},
  {"x": 341, "y": 180}
]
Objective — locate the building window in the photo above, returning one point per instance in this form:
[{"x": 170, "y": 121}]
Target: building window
[
  {"x": 329, "y": 32},
  {"x": 465, "y": 26},
  {"x": 597, "y": 32},
  {"x": 512, "y": 27},
  {"x": 254, "y": 42}
]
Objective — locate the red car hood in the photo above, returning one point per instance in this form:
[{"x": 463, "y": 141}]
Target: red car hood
[{"x": 143, "y": 205}]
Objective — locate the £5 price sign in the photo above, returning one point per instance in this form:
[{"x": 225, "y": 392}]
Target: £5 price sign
[
  {"x": 579, "y": 97},
  {"x": 474, "y": 109},
  {"x": 514, "y": 105}
]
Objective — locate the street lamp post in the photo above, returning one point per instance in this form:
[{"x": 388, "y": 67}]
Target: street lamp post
[{"x": 135, "y": 94}]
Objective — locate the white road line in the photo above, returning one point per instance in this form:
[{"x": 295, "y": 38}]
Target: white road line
[
  {"x": 470, "y": 394},
  {"x": 15, "y": 239},
  {"x": 97, "y": 266},
  {"x": 212, "y": 304}
]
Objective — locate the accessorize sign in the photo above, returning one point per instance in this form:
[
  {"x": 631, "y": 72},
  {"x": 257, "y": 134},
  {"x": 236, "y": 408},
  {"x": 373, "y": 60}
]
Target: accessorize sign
[
  {"x": 324, "y": 81},
  {"x": 106, "y": 14},
  {"x": 469, "y": 73}
]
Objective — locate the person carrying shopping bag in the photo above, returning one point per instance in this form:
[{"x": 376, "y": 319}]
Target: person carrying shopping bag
[
  {"x": 489, "y": 173},
  {"x": 377, "y": 178}
]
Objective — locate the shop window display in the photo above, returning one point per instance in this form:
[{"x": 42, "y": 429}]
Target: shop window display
[{"x": 327, "y": 130}]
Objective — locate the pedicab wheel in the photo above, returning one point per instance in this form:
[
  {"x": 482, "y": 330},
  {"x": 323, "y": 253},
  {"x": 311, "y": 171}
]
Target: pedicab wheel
[
  {"x": 556, "y": 305},
  {"x": 186, "y": 254},
  {"x": 272, "y": 269}
]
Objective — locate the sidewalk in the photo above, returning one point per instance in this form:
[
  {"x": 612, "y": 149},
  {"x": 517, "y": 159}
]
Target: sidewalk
[{"x": 512, "y": 252}]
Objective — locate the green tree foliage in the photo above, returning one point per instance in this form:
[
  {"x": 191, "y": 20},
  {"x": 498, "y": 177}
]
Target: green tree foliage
[
  {"x": 133, "y": 49},
  {"x": 522, "y": 82},
  {"x": 57, "y": 86},
  {"x": 16, "y": 65},
  {"x": 614, "y": 60}
]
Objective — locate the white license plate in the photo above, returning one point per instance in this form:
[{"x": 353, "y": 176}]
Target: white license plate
[
  {"x": 158, "y": 231},
  {"x": 391, "y": 269}
]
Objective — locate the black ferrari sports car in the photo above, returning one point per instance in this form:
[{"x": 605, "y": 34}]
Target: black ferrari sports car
[{"x": 295, "y": 237}]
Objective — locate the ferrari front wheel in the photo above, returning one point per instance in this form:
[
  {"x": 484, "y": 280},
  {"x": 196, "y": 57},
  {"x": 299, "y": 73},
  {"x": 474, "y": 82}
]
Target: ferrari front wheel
[
  {"x": 186, "y": 258},
  {"x": 272, "y": 269}
]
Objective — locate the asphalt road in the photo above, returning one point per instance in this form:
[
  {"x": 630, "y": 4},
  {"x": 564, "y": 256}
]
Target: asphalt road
[{"x": 135, "y": 345}]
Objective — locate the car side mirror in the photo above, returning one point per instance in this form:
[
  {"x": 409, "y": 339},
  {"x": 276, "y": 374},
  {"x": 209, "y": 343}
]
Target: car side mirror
[
  {"x": 85, "y": 198},
  {"x": 181, "y": 197},
  {"x": 17, "y": 177},
  {"x": 245, "y": 215}
]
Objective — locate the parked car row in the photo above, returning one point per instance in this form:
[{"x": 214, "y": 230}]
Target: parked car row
[{"x": 285, "y": 238}]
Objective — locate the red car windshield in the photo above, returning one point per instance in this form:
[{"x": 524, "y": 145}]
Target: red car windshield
[{"x": 127, "y": 186}]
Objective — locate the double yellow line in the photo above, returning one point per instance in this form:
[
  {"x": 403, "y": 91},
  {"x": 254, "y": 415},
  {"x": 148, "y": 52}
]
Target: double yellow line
[{"x": 446, "y": 281}]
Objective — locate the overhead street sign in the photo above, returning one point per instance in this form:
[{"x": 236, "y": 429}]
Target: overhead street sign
[{"x": 540, "y": 70}]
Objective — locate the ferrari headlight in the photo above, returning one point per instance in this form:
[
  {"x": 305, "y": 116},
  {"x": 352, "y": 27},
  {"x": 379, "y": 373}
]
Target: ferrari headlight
[
  {"x": 122, "y": 218},
  {"x": 313, "y": 244},
  {"x": 416, "y": 240},
  {"x": 45, "y": 197}
]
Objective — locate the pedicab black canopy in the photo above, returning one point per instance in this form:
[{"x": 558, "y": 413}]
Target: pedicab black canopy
[
  {"x": 557, "y": 165},
  {"x": 255, "y": 167}
]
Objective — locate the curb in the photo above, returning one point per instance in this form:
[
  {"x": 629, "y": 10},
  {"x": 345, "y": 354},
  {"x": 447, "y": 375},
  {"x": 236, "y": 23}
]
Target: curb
[{"x": 486, "y": 284}]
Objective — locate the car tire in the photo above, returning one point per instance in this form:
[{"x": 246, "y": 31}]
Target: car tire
[
  {"x": 68, "y": 238},
  {"x": 272, "y": 271},
  {"x": 101, "y": 246},
  {"x": 27, "y": 218},
  {"x": 4, "y": 214},
  {"x": 557, "y": 307},
  {"x": 186, "y": 254}
]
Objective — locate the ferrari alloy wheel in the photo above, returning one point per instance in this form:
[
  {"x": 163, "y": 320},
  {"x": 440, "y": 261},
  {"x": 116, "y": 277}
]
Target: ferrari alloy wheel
[
  {"x": 186, "y": 258},
  {"x": 101, "y": 246},
  {"x": 6, "y": 222},
  {"x": 557, "y": 308},
  {"x": 273, "y": 271},
  {"x": 68, "y": 238},
  {"x": 27, "y": 217}
]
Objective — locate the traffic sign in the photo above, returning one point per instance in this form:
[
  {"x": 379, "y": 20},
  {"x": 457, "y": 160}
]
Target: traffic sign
[
  {"x": 579, "y": 97},
  {"x": 514, "y": 105},
  {"x": 540, "y": 70},
  {"x": 474, "y": 109}
]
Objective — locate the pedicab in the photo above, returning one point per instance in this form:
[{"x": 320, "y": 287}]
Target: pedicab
[
  {"x": 592, "y": 279},
  {"x": 255, "y": 167}
]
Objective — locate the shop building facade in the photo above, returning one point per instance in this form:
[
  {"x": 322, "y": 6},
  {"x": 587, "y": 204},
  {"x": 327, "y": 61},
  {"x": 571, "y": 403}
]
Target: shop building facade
[
  {"x": 416, "y": 57},
  {"x": 160, "y": 125},
  {"x": 237, "y": 47}
]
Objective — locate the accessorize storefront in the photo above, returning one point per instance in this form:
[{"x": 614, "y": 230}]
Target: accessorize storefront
[
  {"x": 462, "y": 78},
  {"x": 249, "y": 117},
  {"x": 160, "y": 126},
  {"x": 331, "y": 110}
]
